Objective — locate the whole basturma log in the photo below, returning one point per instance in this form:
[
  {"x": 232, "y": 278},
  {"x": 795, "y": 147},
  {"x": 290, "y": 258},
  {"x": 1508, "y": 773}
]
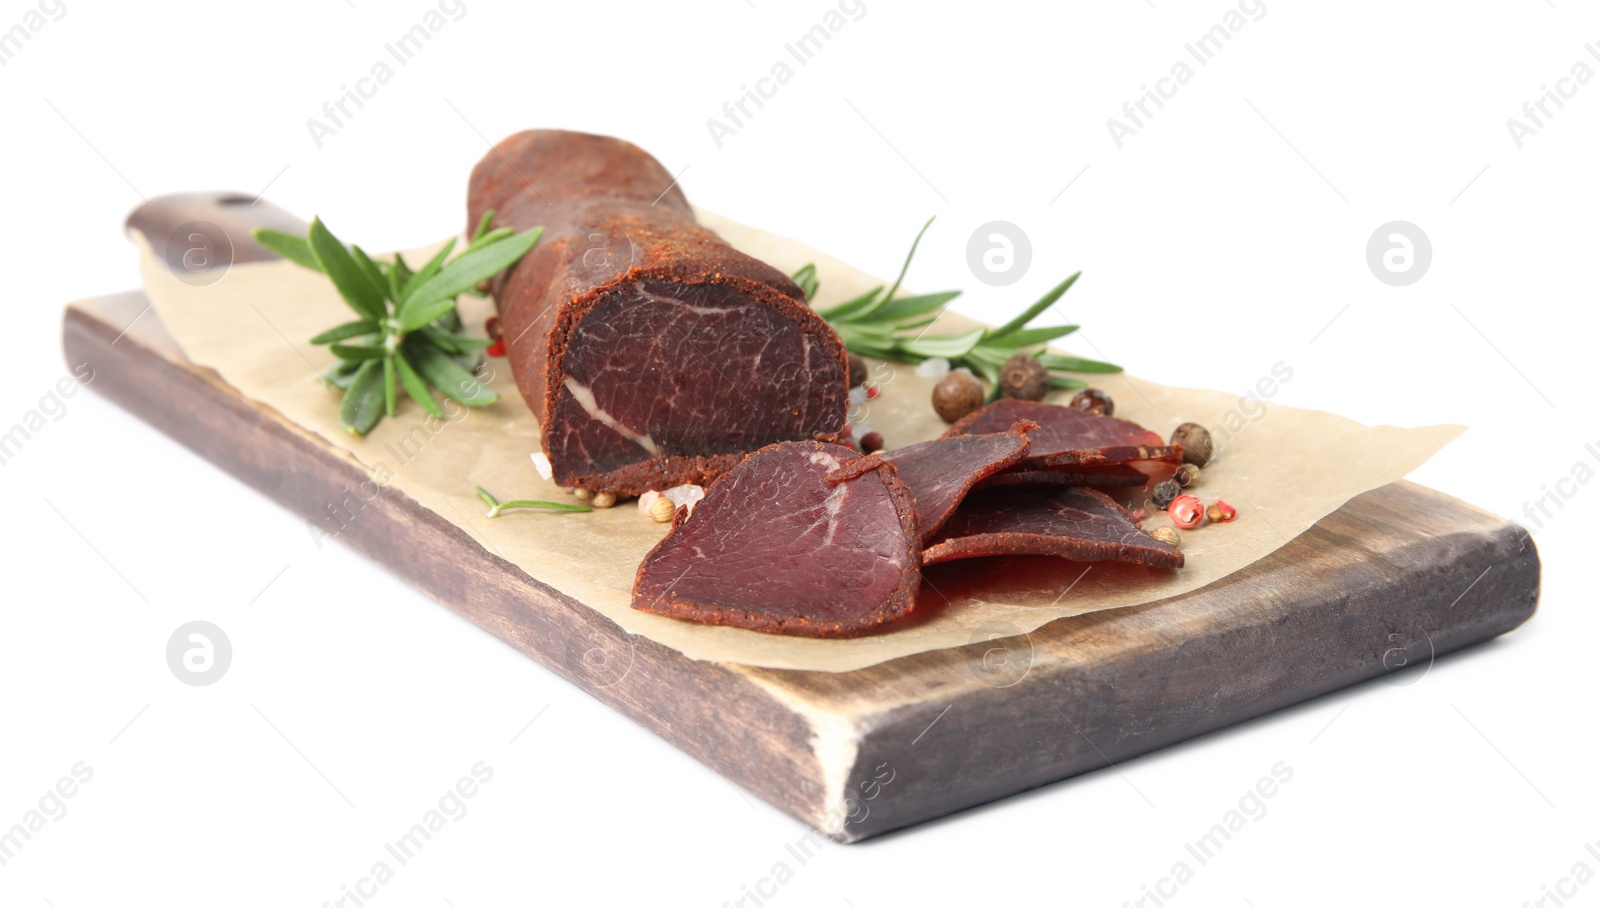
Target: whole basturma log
[{"x": 651, "y": 352}]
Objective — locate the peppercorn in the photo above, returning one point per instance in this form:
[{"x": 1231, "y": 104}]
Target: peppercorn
[
  {"x": 1195, "y": 440},
  {"x": 872, "y": 441},
  {"x": 1167, "y": 535},
  {"x": 604, "y": 499},
  {"x": 956, "y": 395},
  {"x": 1164, "y": 492},
  {"x": 1186, "y": 512},
  {"x": 582, "y": 494},
  {"x": 1186, "y": 475},
  {"x": 1024, "y": 377},
  {"x": 1093, "y": 400},
  {"x": 1221, "y": 512},
  {"x": 662, "y": 509},
  {"x": 858, "y": 370}
]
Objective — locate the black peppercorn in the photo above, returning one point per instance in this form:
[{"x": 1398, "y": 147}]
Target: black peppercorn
[{"x": 1163, "y": 493}]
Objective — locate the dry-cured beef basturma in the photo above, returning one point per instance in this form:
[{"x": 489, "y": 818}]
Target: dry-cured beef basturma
[
  {"x": 942, "y": 471},
  {"x": 803, "y": 538},
  {"x": 651, "y": 352},
  {"x": 1105, "y": 476},
  {"x": 1080, "y": 524},
  {"x": 1068, "y": 437}
]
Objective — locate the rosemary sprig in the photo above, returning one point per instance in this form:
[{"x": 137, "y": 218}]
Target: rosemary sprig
[
  {"x": 407, "y": 333},
  {"x": 496, "y": 505},
  {"x": 878, "y": 324}
]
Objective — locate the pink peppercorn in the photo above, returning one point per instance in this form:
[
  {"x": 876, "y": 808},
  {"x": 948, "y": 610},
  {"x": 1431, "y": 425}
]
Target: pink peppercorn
[{"x": 1186, "y": 512}]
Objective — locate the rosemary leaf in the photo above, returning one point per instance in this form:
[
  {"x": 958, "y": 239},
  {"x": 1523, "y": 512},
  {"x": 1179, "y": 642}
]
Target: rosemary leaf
[
  {"x": 950, "y": 347},
  {"x": 908, "y": 307},
  {"x": 483, "y": 225},
  {"x": 540, "y": 505},
  {"x": 341, "y": 268},
  {"x": 806, "y": 280},
  {"x": 455, "y": 382},
  {"x": 1075, "y": 364},
  {"x": 363, "y": 403},
  {"x": 345, "y": 332},
  {"x": 388, "y": 385},
  {"x": 294, "y": 248},
  {"x": 1032, "y": 312},
  {"x": 429, "y": 269},
  {"x": 416, "y": 389},
  {"x": 904, "y": 267},
  {"x": 1029, "y": 337},
  {"x": 465, "y": 271},
  {"x": 358, "y": 351},
  {"x": 844, "y": 311}
]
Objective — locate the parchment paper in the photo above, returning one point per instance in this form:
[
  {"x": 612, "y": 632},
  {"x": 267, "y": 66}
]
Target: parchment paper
[{"x": 251, "y": 327}]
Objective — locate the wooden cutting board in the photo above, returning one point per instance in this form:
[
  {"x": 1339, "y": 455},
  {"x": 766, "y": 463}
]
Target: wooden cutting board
[{"x": 1395, "y": 577}]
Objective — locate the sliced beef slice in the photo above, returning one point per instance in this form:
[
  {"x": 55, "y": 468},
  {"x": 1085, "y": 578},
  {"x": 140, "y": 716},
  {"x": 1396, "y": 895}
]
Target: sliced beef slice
[
  {"x": 941, "y": 471},
  {"x": 1104, "y": 476},
  {"x": 651, "y": 352},
  {"x": 803, "y": 538},
  {"x": 1080, "y": 524},
  {"x": 1067, "y": 437}
]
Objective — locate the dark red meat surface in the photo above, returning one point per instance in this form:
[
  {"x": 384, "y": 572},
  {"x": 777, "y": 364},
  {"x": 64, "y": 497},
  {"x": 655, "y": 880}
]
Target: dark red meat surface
[
  {"x": 1080, "y": 524},
  {"x": 1106, "y": 476},
  {"x": 1067, "y": 436},
  {"x": 940, "y": 472},
  {"x": 802, "y": 538}
]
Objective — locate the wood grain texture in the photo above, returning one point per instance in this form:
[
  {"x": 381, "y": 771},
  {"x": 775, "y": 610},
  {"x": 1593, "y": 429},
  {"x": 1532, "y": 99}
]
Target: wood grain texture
[{"x": 1396, "y": 576}]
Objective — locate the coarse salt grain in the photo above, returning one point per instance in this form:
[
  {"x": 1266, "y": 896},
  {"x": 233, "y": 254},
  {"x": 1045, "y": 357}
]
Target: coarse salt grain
[
  {"x": 685, "y": 496},
  {"x": 937, "y": 367},
  {"x": 541, "y": 463},
  {"x": 647, "y": 499}
]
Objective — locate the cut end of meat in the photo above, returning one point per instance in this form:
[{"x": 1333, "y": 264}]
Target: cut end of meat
[
  {"x": 669, "y": 382},
  {"x": 775, "y": 546},
  {"x": 942, "y": 471},
  {"x": 1067, "y": 437},
  {"x": 1078, "y": 524},
  {"x": 652, "y": 353}
]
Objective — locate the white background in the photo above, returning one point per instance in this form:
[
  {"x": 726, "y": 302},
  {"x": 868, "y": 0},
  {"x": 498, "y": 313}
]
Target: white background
[{"x": 1226, "y": 235}]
